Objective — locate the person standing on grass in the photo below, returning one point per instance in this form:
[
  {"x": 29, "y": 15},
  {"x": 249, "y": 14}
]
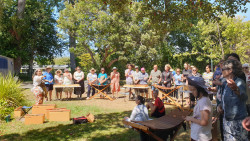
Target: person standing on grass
[
  {"x": 92, "y": 78},
  {"x": 143, "y": 81},
  {"x": 136, "y": 80},
  {"x": 37, "y": 90},
  {"x": 79, "y": 79},
  {"x": 48, "y": 82},
  {"x": 67, "y": 80},
  {"x": 177, "y": 79},
  {"x": 233, "y": 103},
  {"x": 201, "y": 121},
  {"x": 115, "y": 82},
  {"x": 129, "y": 77},
  {"x": 102, "y": 78},
  {"x": 155, "y": 75},
  {"x": 59, "y": 81},
  {"x": 157, "y": 109}
]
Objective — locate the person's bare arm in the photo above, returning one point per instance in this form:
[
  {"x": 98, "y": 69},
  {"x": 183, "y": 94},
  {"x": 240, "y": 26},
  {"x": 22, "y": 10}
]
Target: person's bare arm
[
  {"x": 204, "y": 118},
  {"x": 153, "y": 110}
]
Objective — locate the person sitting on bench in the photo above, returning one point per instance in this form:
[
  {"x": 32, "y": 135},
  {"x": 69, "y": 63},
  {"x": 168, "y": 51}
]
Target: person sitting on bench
[{"x": 157, "y": 109}]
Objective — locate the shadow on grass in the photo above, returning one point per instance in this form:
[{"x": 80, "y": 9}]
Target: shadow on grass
[{"x": 106, "y": 127}]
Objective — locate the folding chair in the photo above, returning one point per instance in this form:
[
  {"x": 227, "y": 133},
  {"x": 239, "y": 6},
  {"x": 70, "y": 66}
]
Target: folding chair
[
  {"x": 160, "y": 88},
  {"x": 100, "y": 91},
  {"x": 25, "y": 110}
]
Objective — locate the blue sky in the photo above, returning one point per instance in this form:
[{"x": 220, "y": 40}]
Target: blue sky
[{"x": 246, "y": 15}]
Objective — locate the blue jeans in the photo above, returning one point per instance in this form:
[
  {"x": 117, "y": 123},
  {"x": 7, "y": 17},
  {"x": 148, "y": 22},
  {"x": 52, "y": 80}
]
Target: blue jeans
[{"x": 89, "y": 89}]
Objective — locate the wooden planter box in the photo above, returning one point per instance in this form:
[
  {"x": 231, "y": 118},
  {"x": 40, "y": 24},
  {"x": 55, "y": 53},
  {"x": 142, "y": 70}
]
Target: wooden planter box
[
  {"x": 42, "y": 109},
  {"x": 48, "y": 110},
  {"x": 18, "y": 112},
  {"x": 34, "y": 119},
  {"x": 59, "y": 115}
]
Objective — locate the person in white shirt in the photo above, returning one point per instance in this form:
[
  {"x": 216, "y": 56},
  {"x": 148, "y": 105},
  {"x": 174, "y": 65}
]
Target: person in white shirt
[
  {"x": 201, "y": 121},
  {"x": 37, "y": 90},
  {"x": 136, "y": 80},
  {"x": 139, "y": 113},
  {"x": 67, "y": 80},
  {"x": 92, "y": 79},
  {"x": 79, "y": 79},
  {"x": 59, "y": 81}
]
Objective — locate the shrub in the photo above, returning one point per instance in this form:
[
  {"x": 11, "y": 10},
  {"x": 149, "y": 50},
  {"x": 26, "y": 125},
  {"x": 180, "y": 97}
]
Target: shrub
[{"x": 11, "y": 95}]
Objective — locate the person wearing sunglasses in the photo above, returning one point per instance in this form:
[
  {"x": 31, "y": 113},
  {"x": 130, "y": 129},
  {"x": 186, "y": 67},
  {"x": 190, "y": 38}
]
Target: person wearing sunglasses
[{"x": 233, "y": 103}]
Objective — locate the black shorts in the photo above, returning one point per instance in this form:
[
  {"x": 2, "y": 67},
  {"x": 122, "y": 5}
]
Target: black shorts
[
  {"x": 49, "y": 87},
  {"x": 59, "y": 90}
]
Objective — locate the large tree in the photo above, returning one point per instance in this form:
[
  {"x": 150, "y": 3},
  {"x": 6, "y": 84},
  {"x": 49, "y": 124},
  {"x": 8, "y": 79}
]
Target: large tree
[{"x": 29, "y": 33}]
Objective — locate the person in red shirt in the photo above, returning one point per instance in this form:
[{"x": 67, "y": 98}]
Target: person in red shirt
[{"x": 157, "y": 109}]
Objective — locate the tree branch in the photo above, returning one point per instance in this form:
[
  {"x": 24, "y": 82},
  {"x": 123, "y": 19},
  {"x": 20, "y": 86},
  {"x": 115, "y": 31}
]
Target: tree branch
[{"x": 112, "y": 62}]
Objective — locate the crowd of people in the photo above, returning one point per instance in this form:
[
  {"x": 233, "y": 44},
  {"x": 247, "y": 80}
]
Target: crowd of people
[{"x": 229, "y": 84}]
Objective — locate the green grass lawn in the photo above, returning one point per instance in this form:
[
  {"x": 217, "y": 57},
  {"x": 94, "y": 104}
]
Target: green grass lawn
[{"x": 107, "y": 126}]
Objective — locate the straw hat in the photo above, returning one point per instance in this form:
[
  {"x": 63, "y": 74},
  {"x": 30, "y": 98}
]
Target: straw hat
[
  {"x": 92, "y": 69},
  {"x": 59, "y": 71},
  {"x": 48, "y": 67}
]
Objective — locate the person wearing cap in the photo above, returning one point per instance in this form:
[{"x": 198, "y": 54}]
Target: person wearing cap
[
  {"x": 102, "y": 78},
  {"x": 143, "y": 81},
  {"x": 48, "y": 82},
  {"x": 155, "y": 75},
  {"x": 67, "y": 80},
  {"x": 59, "y": 81},
  {"x": 201, "y": 121},
  {"x": 115, "y": 82},
  {"x": 92, "y": 79},
  {"x": 233, "y": 103},
  {"x": 129, "y": 77},
  {"x": 79, "y": 79}
]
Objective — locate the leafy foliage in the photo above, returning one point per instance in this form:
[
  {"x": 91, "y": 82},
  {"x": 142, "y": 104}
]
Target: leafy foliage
[{"x": 11, "y": 95}]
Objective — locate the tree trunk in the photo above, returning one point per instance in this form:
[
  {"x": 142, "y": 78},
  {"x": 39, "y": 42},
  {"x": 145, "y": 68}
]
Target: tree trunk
[
  {"x": 30, "y": 68},
  {"x": 18, "y": 60},
  {"x": 17, "y": 65},
  {"x": 72, "y": 44},
  {"x": 221, "y": 46},
  {"x": 20, "y": 8}
]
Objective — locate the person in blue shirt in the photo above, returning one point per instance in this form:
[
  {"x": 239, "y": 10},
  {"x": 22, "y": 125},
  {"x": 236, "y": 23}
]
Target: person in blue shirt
[
  {"x": 102, "y": 78},
  {"x": 48, "y": 82},
  {"x": 178, "y": 80}
]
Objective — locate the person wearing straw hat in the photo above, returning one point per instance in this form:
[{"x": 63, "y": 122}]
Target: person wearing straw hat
[
  {"x": 59, "y": 81},
  {"x": 201, "y": 121},
  {"x": 48, "y": 82},
  {"x": 92, "y": 79},
  {"x": 115, "y": 82}
]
